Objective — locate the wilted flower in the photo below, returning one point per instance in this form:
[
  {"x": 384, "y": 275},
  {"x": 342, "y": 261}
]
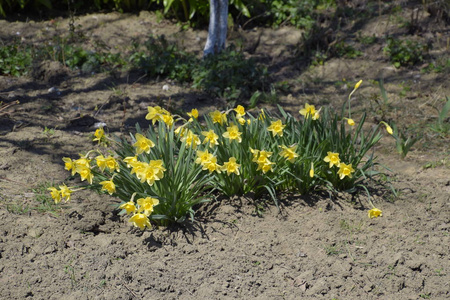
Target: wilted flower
[{"x": 375, "y": 213}]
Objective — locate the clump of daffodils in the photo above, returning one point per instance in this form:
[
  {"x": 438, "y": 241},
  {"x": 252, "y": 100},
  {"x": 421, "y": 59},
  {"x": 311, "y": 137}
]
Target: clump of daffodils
[{"x": 178, "y": 162}]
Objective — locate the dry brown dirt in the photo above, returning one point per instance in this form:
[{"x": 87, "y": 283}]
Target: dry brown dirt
[{"x": 313, "y": 248}]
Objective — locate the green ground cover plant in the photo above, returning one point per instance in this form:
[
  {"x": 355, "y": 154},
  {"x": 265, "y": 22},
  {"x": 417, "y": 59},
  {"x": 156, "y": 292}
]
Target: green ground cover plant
[{"x": 162, "y": 172}]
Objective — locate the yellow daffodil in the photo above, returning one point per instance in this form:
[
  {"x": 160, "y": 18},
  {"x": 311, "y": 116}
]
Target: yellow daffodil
[
  {"x": 333, "y": 159},
  {"x": 191, "y": 139},
  {"x": 65, "y": 192},
  {"x": 233, "y": 133},
  {"x": 210, "y": 137},
  {"x": 231, "y": 166},
  {"x": 357, "y": 85},
  {"x": 203, "y": 157},
  {"x": 140, "y": 220},
  {"x": 212, "y": 165},
  {"x": 108, "y": 162},
  {"x": 311, "y": 171},
  {"x": 289, "y": 153},
  {"x": 81, "y": 162},
  {"x": 240, "y": 111},
  {"x": 130, "y": 160},
  {"x": 375, "y": 213},
  {"x": 101, "y": 162},
  {"x": 146, "y": 205},
  {"x": 242, "y": 121},
  {"x": 310, "y": 111},
  {"x": 154, "y": 113},
  {"x": 350, "y": 121},
  {"x": 99, "y": 135},
  {"x": 388, "y": 128},
  {"x": 143, "y": 144},
  {"x": 112, "y": 164},
  {"x": 193, "y": 115},
  {"x": 69, "y": 165},
  {"x": 129, "y": 207},
  {"x": 265, "y": 166},
  {"x": 345, "y": 170},
  {"x": 167, "y": 118},
  {"x": 85, "y": 173},
  {"x": 218, "y": 117},
  {"x": 181, "y": 131},
  {"x": 55, "y": 193},
  {"x": 276, "y": 127},
  {"x": 109, "y": 186}
]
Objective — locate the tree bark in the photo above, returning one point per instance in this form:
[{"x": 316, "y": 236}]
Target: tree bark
[{"x": 218, "y": 25}]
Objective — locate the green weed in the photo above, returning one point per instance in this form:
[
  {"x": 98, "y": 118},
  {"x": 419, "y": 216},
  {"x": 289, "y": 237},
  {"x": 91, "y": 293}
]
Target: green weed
[
  {"x": 404, "y": 53},
  {"x": 442, "y": 125}
]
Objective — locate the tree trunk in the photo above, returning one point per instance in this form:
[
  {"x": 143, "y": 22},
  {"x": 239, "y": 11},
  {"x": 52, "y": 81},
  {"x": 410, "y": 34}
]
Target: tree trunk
[{"x": 218, "y": 24}]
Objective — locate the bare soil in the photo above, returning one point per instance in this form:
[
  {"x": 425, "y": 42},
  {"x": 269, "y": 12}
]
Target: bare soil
[{"x": 313, "y": 248}]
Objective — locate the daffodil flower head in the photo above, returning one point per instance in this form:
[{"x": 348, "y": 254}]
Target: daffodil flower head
[
  {"x": 143, "y": 144},
  {"x": 210, "y": 137},
  {"x": 231, "y": 166},
  {"x": 388, "y": 128},
  {"x": 350, "y": 122},
  {"x": 154, "y": 113},
  {"x": 56, "y": 194},
  {"x": 233, "y": 133},
  {"x": 203, "y": 157},
  {"x": 212, "y": 165},
  {"x": 310, "y": 111},
  {"x": 85, "y": 173},
  {"x": 345, "y": 170},
  {"x": 311, "y": 171},
  {"x": 109, "y": 186},
  {"x": 99, "y": 135},
  {"x": 276, "y": 127},
  {"x": 129, "y": 207},
  {"x": 289, "y": 152},
  {"x": 193, "y": 114},
  {"x": 65, "y": 192},
  {"x": 242, "y": 121},
  {"x": 130, "y": 160},
  {"x": 140, "y": 220},
  {"x": 69, "y": 165},
  {"x": 332, "y": 158},
  {"x": 146, "y": 205},
  {"x": 191, "y": 139},
  {"x": 240, "y": 111},
  {"x": 218, "y": 117},
  {"x": 265, "y": 166},
  {"x": 374, "y": 213}
]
